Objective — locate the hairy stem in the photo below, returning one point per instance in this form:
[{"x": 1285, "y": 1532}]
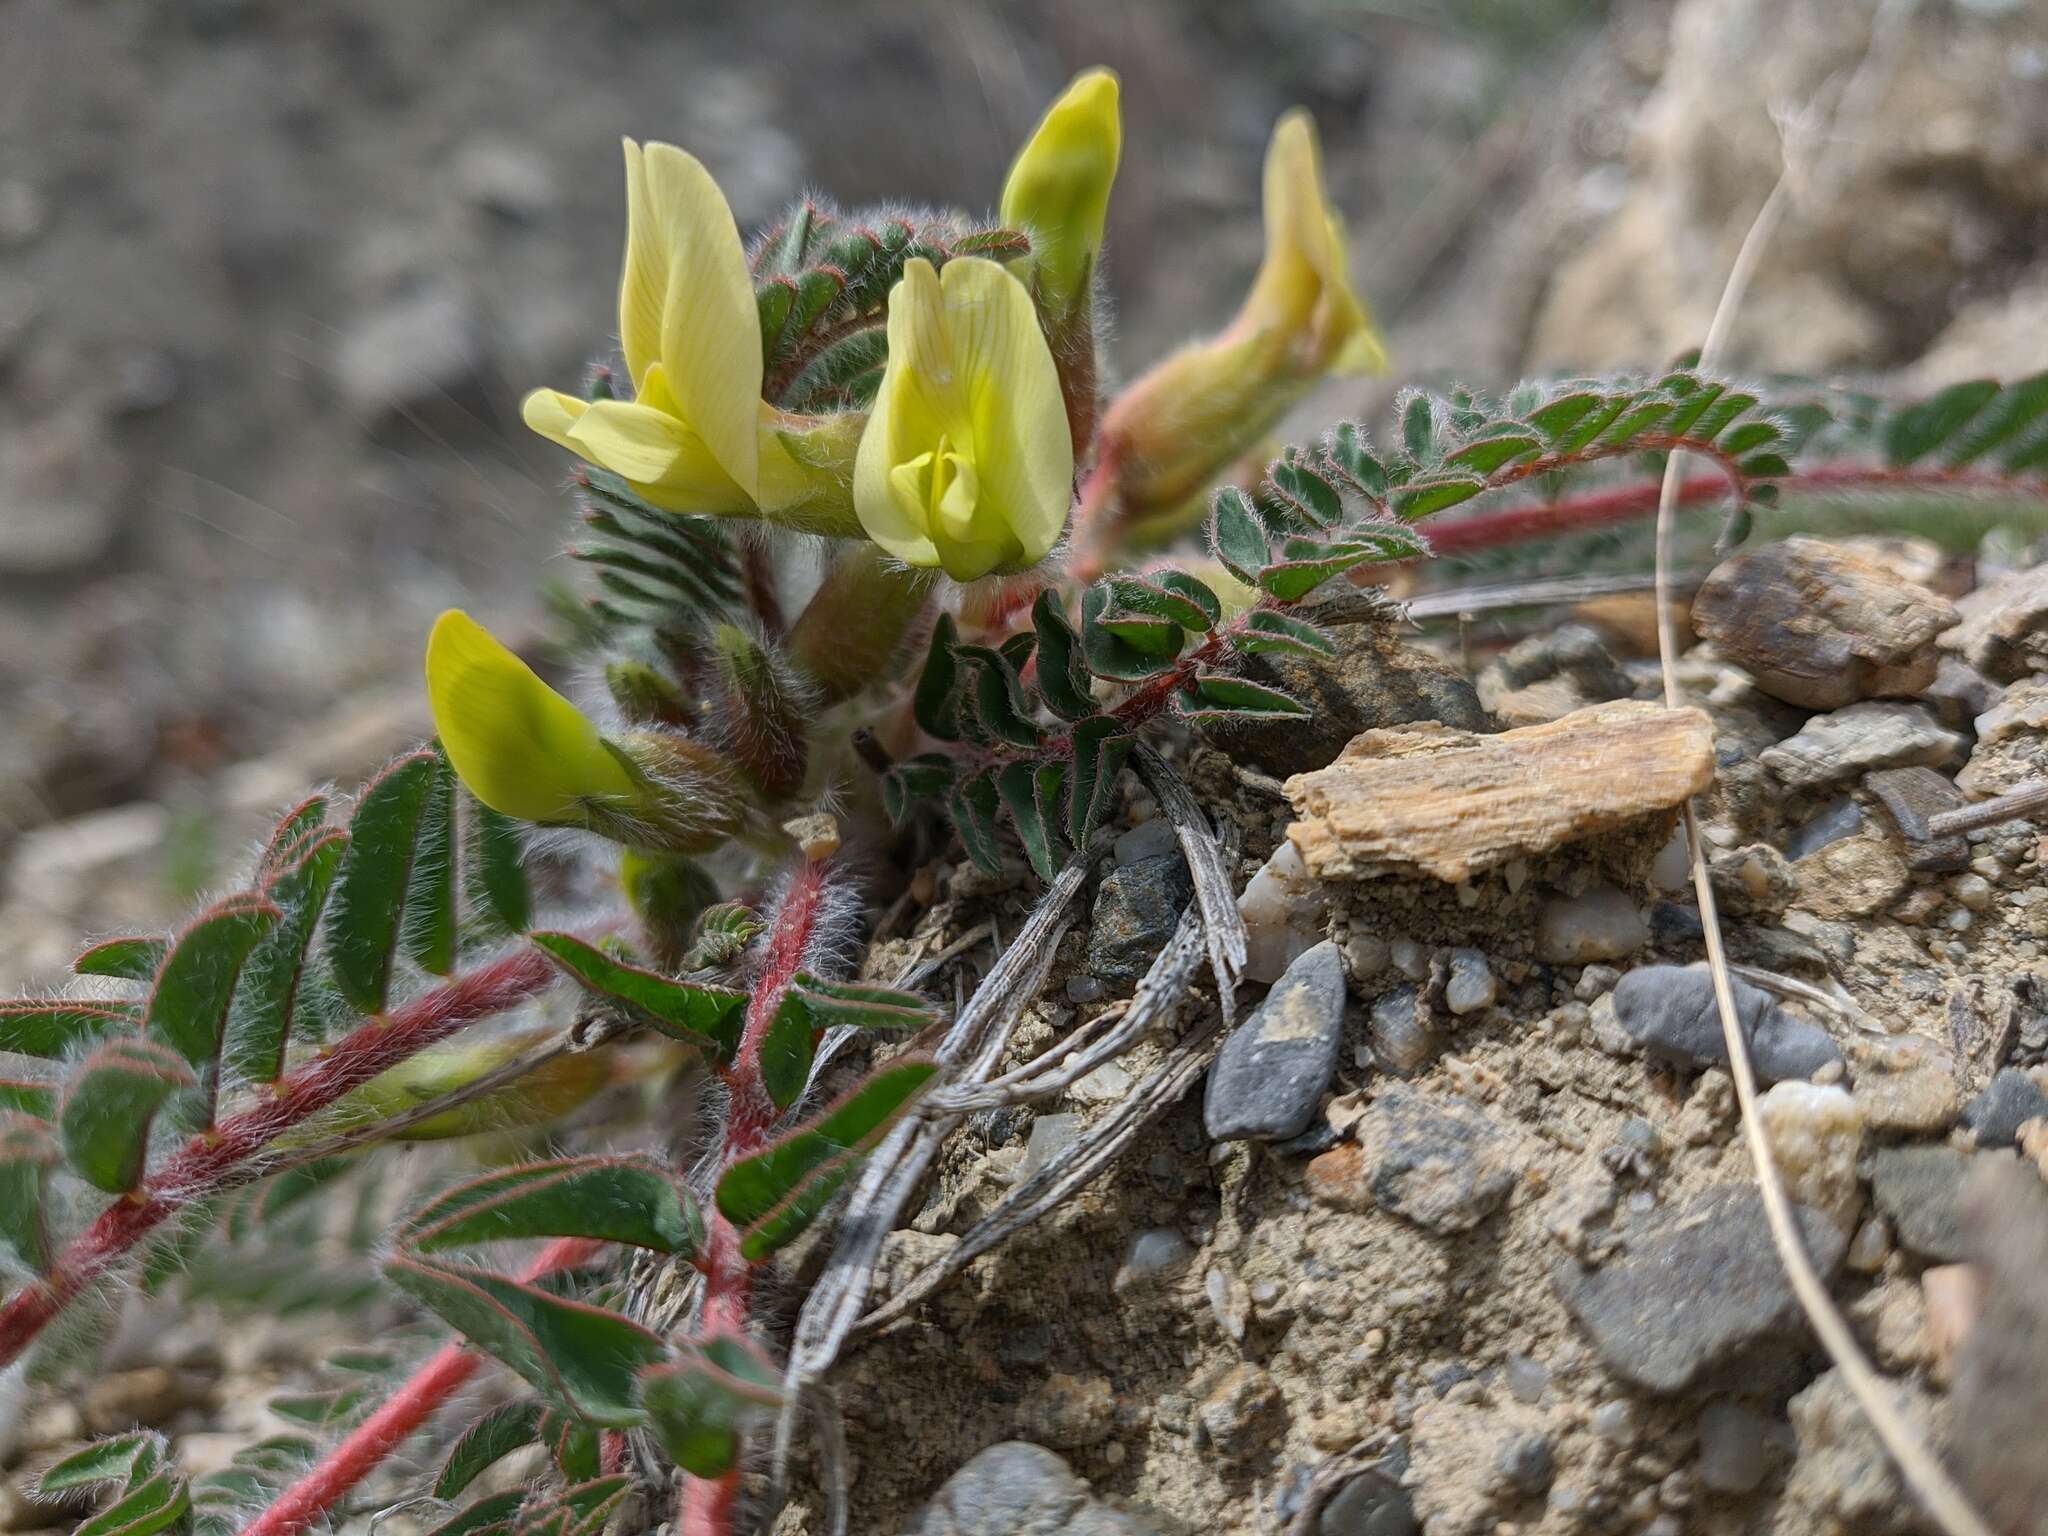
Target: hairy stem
[
  {"x": 1598, "y": 509},
  {"x": 219, "y": 1158},
  {"x": 708, "y": 1503},
  {"x": 365, "y": 1447}
]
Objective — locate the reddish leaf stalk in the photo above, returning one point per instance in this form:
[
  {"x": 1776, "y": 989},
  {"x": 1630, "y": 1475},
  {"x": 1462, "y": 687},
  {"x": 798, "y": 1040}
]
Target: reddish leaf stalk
[
  {"x": 708, "y": 1503},
  {"x": 220, "y": 1158},
  {"x": 1597, "y": 509},
  {"x": 366, "y": 1446}
]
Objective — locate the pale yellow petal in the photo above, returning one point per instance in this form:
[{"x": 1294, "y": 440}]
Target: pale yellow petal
[
  {"x": 1059, "y": 186},
  {"x": 710, "y": 328},
  {"x": 552, "y": 414},
  {"x": 1022, "y": 449},
  {"x": 885, "y": 516},
  {"x": 643, "y": 274},
  {"x": 520, "y": 746}
]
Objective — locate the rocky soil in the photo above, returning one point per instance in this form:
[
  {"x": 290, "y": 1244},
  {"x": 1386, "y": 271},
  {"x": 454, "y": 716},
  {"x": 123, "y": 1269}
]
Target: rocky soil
[{"x": 1458, "y": 1234}]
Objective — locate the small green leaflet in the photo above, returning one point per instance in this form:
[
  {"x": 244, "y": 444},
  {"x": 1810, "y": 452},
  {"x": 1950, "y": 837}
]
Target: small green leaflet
[
  {"x": 692, "y": 1011},
  {"x": 624, "y": 1199},
  {"x": 702, "y": 1402}
]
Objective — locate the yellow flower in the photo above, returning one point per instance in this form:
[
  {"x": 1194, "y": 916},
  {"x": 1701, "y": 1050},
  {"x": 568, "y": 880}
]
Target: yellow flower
[
  {"x": 966, "y": 462},
  {"x": 1175, "y": 428},
  {"x": 696, "y": 436},
  {"x": 520, "y": 746},
  {"x": 1058, "y": 189}
]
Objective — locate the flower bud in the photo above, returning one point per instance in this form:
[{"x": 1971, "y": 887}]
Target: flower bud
[
  {"x": 520, "y": 746},
  {"x": 1175, "y": 428},
  {"x": 966, "y": 462},
  {"x": 1058, "y": 190}
]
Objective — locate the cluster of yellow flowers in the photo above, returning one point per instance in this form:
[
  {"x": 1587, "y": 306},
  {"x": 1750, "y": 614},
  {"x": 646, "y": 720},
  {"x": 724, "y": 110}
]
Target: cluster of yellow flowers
[{"x": 965, "y": 461}]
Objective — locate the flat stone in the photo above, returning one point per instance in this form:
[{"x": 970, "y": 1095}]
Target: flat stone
[
  {"x": 1960, "y": 693},
  {"x": 1271, "y": 1073},
  {"x": 1914, "y": 797},
  {"x": 2010, "y": 1100},
  {"x": 1671, "y": 1013},
  {"x": 1919, "y": 1188},
  {"x": 1449, "y": 803},
  {"x": 1437, "y": 1161},
  {"x": 1600, "y": 923},
  {"x": 1694, "y": 1291},
  {"x": 1019, "y": 1489},
  {"x": 1376, "y": 679},
  {"x": 2012, "y": 742},
  {"x": 1373, "y": 1503},
  {"x": 1136, "y": 910},
  {"x": 1852, "y": 741},
  {"x": 1820, "y": 625},
  {"x": 2004, "y": 629}
]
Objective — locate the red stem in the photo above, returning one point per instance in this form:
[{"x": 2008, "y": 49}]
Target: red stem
[
  {"x": 366, "y": 1446},
  {"x": 709, "y": 1502},
  {"x": 216, "y": 1159},
  {"x": 1596, "y": 509}
]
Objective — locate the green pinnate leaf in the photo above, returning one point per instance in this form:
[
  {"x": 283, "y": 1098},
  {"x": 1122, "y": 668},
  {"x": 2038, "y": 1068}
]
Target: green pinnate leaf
[
  {"x": 584, "y": 1357},
  {"x": 1268, "y": 630},
  {"x": 188, "y": 1006},
  {"x": 109, "y": 1104},
  {"x": 488, "y": 1516},
  {"x": 130, "y": 957},
  {"x": 701, "y": 1404},
  {"x": 496, "y": 1435},
  {"x": 1730, "y": 405},
  {"x": 1748, "y": 436},
  {"x": 27, "y": 1154},
  {"x": 1418, "y": 427},
  {"x": 1125, "y": 648},
  {"x": 630, "y": 1198},
  {"x": 923, "y": 777},
  {"x": 27, "y": 1096},
  {"x": 1557, "y": 417},
  {"x": 159, "y": 1503},
  {"x": 117, "y": 1459},
  {"x": 266, "y": 998},
  {"x": 936, "y": 700},
  {"x": 1236, "y": 536},
  {"x": 1487, "y": 454},
  {"x": 1030, "y": 793},
  {"x": 1633, "y": 421},
  {"x": 1298, "y": 486},
  {"x": 1157, "y": 599},
  {"x": 1349, "y": 456},
  {"x": 1420, "y": 498},
  {"x": 860, "y": 1005},
  {"x": 787, "y": 1050},
  {"x": 1919, "y": 429},
  {"x": 1099, "y": 749},
  {"x": 496, "y": 868},
  {"x": 691, "y": 1011},
  {"x": 367, "y": 908},
  {"x": 1220, "y": 694},
  {"x": 49, "y": 1027},
  {"x": 974, "y": 817},
  {"x": 1062, "y": 673},
  {"x": 774, "y": 1194},
  {"x": 427, "y": 932},
  {"x": 999, "y": 702},
  {"x": 2019, "y": 409}
]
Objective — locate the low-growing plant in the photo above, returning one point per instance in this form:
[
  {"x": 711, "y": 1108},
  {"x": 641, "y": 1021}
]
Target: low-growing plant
[{"x": 1018, "y": 575}]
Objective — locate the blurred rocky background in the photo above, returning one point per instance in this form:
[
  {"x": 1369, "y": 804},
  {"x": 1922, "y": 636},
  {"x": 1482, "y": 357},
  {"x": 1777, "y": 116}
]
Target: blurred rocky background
[{"x": 274, "y": 274}]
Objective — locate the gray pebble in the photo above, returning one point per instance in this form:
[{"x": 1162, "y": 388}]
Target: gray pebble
[
  {"x": 1527, "y": 1379},
  {"x": 1270, "y": 1075},
  {"x": 2010, "y": 1100},
  {"x": 1373, "y": 1503},
  {"x": 1670, "y": 1012},
  {"x": 1695, "y": 1289},
  {"x": 1154, "y": 839},
  {"x": 1152, "y": 1253},
  {"x": 1525, "y": 1463},
  {"x": 1734, "y": 1449},
  {"x": 1398, "y": 1030},
  {"x": 1438, "y": 1162},
  {"x": 1135, "y": 912},
  {"x": 1020, "y": 1489},
  {"x": 1830, "y": 824},
  {"x": 1471, "y": 985},
  {"x": 1920, "y": 1189}
]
